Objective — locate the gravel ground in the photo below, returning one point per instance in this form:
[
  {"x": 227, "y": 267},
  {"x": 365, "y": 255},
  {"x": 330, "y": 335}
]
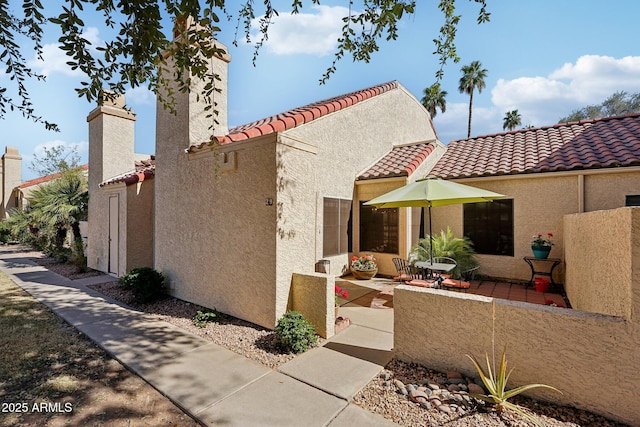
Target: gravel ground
[
  {"x": 237, "y": 335},
  {"x": 379, "y": 396}
]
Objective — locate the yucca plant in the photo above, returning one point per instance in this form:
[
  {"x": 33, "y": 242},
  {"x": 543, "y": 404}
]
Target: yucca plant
[{"x": 495, "y": 382}]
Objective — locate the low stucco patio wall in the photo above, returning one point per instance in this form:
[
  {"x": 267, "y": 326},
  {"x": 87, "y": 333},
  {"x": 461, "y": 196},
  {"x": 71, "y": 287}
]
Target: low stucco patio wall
[
  {"x": 308, "y": 292},
  {"x": 602, "y": 261},
  {"x": 590, "y": 357}
]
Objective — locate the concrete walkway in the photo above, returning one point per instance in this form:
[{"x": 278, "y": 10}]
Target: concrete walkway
[{"x": 215, "y": 385}]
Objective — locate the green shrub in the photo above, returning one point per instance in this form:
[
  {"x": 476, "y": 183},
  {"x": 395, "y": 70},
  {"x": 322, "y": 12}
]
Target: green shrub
[
  {"x": 203, "y": 317},
  {"x": 294, "y": 333},
  {"x": 145, "y": 283},
  {"x": 5, "y": 232}
]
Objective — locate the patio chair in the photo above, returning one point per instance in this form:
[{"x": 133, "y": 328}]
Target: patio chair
[
  {"x": 405, "y": 270},
  {"x": 470, "y": 273}
]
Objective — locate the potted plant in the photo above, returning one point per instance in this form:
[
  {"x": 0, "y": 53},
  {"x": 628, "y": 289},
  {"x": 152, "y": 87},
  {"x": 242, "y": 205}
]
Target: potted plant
[
  {"x": 541, "y": 245},
  {"x": 447, "y": 245},
  {"x": 364, "y": 267}
]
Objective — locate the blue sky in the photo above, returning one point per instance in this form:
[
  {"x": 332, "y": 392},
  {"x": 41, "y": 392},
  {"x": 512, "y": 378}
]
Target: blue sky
[{"x": 545, "y": 58}]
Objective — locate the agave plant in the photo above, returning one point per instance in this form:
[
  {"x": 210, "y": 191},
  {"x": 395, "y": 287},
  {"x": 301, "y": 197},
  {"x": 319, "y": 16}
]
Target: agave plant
[{"x": 495, "y": 382}]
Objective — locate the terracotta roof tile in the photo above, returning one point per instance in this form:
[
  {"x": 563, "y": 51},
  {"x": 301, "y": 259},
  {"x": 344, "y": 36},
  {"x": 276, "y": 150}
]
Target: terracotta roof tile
[
  {"x": 43, "y": 179},
  {"x": 144, "y": 169},
  {"x": 400, "y": 161},
  {"x": 296, "y": 117},
  {"x": 600, "y": 143}
]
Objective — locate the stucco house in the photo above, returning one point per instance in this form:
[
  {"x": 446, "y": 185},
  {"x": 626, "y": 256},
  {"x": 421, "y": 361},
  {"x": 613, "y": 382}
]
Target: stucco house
[
  {"x": 546, "y": 173},
  {"x": 23, "y": 192},
  {"x": 232, "y": 219},
  {"x": 15, "y": 192}
]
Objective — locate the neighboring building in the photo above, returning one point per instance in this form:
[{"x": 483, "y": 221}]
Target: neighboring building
[
  {"x": 546, "y": 173},
  {"x": 233, "y": 220},
  {"x": 11, "y": 177},
  {"x": 23, "y": 192}
]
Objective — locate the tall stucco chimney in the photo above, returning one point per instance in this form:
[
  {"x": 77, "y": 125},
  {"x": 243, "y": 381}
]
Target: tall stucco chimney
[
  {"x": 11, "y": 178},
  {"x": 111, "y": 140},
  {"x": 191, "y": 125},
  {"x": 111, "y": 153}
]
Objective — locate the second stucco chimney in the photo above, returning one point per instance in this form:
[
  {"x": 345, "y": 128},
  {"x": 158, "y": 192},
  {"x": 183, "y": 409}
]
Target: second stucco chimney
[
  {"x": 111, "y": 140},
  {"x": 192, "y": 118}
]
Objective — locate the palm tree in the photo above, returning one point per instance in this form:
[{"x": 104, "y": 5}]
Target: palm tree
[
  {"x": 434, "y": 98},
  {"x": 473, "y": 76},
  {"x": 61, "y": 205},
  {"x": 511, "y": 120}
]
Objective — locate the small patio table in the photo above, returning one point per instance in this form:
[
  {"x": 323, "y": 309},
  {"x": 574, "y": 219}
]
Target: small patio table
[
  {"x": 440, "y": 267},
  {"x": 535, "y": 267}
]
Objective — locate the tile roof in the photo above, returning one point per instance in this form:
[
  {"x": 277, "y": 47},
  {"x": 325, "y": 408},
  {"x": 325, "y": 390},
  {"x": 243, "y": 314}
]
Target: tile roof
[
  {"x": 297, "y": 116},
  {"x": 589, "y": 144},
  {"x": 144, "y": 169},
  {"x": 400, "y": 161},
  {"x": 46, "y": 178}
]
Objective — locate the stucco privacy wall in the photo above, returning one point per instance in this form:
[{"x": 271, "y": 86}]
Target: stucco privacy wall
[
  {"x": 540, "y": 202},
  {"x": 111, "y": 143},
  {"x": 351, "y": 140},
  {"x": 591, "y": 358},
  {"x": 602, "y": 258},
  {"x": 313, "y": 295}
]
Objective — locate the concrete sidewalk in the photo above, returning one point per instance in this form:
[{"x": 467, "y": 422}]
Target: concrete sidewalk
[{"x": 215, "y": 385}]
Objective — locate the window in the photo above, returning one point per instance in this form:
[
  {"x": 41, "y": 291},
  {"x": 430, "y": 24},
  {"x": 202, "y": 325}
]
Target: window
[
  {"x": 632, "y": 200},
  {"x": 379, "y": 229},
  {"x": 336, "y": 227},
  {"x": 489, "y": 225}
]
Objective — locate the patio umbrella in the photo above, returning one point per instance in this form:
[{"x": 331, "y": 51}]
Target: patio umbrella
[{"x": 431, "y": 191}]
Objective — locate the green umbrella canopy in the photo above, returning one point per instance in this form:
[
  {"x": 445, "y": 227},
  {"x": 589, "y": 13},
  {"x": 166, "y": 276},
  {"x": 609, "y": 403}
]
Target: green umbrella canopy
[{"x": 431, "y": 191}]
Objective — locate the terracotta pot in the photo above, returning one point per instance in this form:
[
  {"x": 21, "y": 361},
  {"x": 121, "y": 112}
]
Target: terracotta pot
[{"x": 364, "y": 274}]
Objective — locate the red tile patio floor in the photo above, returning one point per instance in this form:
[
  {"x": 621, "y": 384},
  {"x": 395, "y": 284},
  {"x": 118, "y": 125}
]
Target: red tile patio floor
[
  {"x": 513, "y": 292},
  {"x": 383, "y": 296}
]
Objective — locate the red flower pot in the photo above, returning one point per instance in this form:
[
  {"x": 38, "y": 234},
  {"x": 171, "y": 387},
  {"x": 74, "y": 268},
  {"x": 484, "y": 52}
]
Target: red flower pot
[{"x": 542, "y": 284}]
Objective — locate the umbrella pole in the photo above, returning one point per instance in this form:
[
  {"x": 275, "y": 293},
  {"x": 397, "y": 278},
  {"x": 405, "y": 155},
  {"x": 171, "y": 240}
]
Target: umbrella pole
[{"x": 430, "y": 236}]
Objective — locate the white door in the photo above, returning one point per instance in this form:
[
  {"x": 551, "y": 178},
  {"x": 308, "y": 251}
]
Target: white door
[{"x": 113, "y": 234}]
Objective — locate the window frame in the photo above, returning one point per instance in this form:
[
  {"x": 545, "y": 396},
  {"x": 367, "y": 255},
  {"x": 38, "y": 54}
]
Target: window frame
[
  {"x": 343, "y": 228},
  {"x": 631, "y": 200},
  {"x": 389, "y": 246},
  {"x": 489, "y": 219}
]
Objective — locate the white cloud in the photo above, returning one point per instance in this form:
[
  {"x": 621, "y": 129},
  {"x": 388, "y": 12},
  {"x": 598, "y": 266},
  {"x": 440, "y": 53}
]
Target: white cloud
[
  {"x": 543, "y": 100},
  {"x": 307, "y": 33},
  {"x": 140, "y": 96},
  {"x": 55, "y": 60},
  {"x": 453, "y": 124}
]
